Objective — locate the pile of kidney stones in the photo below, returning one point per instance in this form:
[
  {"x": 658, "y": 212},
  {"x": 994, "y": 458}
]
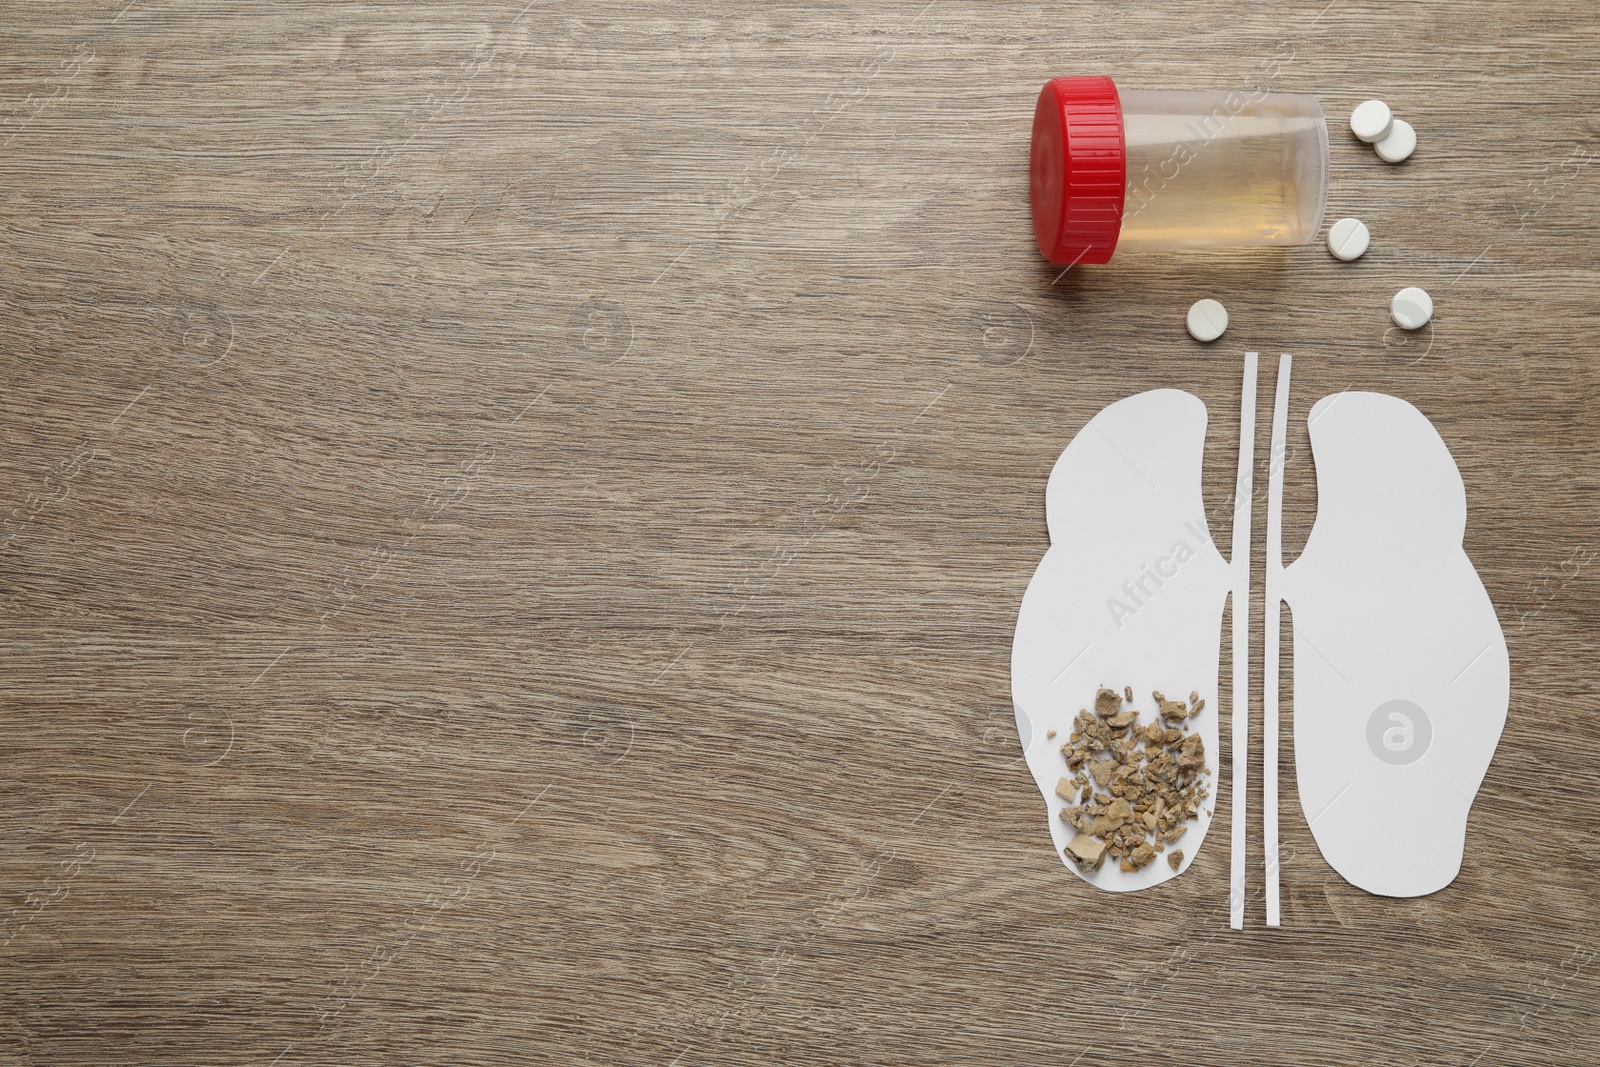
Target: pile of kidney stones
[{"x": 1133, "y": 789}]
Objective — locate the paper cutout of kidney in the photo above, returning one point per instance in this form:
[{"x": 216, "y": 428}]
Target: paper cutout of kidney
[
  {"x": 1130, "y": 592},
  {"x": 1401, "y": 674}
]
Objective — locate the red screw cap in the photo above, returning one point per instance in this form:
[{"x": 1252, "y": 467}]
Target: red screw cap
[{"x": 1079, "y": 170}]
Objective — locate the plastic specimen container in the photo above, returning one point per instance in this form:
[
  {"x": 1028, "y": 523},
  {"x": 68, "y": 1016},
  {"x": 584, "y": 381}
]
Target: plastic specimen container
[{"x": 1158, "y": 169}]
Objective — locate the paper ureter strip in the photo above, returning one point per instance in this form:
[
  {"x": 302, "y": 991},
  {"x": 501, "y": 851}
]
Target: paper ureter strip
[
  {"x": 1239, "y": 613},
  {"x": 1269, "y": 685}
]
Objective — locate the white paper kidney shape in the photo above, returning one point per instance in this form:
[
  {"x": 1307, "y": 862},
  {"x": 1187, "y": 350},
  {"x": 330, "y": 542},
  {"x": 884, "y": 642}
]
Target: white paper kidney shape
[
  {"x": 1401, "y": 675},
  {"x": 1130, "y": 592}
]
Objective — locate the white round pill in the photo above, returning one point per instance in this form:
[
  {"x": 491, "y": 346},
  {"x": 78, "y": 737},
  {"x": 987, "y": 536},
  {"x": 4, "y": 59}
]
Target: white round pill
[
  {"x": 1370, "y": 121},
  {"x": 1207, "y": 320},
  {"x": 1398, "y": 144},
  {"x": 1411, "y": 308},
  {"x": 1348, "y": 239}
]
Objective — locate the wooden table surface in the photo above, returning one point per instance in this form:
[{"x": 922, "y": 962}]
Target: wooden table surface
[{"x": 514, "y": 519}]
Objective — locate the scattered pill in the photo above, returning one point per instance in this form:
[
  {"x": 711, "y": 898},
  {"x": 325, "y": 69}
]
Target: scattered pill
[
  {"x": 1370, "y": 121},
  {"x": 1398, "y": 144},
  {"x": 1207, "y": 320},
  {"x": 1411, "y": 308},
  {"x": 1348, "y": 239}
]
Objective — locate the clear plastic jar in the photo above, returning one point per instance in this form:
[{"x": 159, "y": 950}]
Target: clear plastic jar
[{"x": 1147, "y": 169}]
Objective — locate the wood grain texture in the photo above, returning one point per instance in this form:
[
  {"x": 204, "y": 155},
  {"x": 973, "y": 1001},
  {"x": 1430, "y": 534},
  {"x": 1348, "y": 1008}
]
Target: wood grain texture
[{"x": 514, "y": 518}]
